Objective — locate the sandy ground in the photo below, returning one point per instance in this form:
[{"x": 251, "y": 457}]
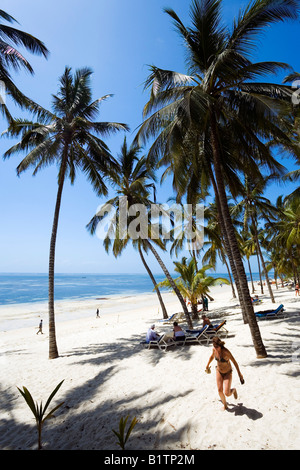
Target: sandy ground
[{"x": 109, "y": 374}]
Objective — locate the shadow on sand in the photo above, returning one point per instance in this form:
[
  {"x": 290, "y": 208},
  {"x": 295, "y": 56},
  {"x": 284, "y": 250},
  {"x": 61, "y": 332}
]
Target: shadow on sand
[{"x": 241, "y": 410}]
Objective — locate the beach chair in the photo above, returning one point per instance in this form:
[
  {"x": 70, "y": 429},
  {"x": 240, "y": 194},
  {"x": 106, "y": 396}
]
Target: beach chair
[
  {"x": 179, "y": 317},
  {"x": 217, "y": 330},
  {"x": 167, "y": 320},
  {"x": 180, "y": 340},
  {"x": 160, "y": 343},
  {"x": 197, "y": 336},
  {"x": 269, "y": 314}
]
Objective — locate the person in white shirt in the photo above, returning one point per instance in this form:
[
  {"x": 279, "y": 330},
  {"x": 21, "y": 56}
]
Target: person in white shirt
[{"x": 151, "y": 334}]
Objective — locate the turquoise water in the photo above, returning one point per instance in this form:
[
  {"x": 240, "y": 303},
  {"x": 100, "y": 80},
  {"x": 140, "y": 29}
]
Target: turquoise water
[{"x": 26, "y": 288}]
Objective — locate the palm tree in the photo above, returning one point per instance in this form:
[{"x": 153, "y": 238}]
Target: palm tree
[
  {"x": 133, "y": 181},
  {"x": 11, "y": 57},
  {"x": 256, "y": 207},
  {"x": 160, "y": 299},
  {"x": 216, "y": 241},
  {"x": 288, "y": 233},
  {"x": 216, "y": 249},
  {"x": 279, "y": 256},
  {"x": 294, "y": 175},
  {"x": 68, "y": 137},
  {"x": 193, "y": 283},
  {"x": 217, "y": 101},
  {"x": 188, "y": 230},
  {"x": 248, "y": 249}
]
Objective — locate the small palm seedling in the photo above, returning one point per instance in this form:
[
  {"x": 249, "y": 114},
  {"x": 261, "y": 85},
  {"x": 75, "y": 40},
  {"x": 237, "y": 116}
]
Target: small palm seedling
[
  {"x": 39, "y": 411},
  {"x": 121, "y": 434}
]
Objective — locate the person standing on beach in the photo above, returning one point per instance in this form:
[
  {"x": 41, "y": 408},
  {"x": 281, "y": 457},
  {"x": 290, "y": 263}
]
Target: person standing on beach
[
  {"x": 97, "y": 313},
  {"x": 40, "y": 330},
  {"x": 297, "y": 289},
  {"x": 223, "y": 370}
]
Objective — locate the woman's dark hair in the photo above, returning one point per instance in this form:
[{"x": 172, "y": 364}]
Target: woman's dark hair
[{"x": 216, "y": 340}]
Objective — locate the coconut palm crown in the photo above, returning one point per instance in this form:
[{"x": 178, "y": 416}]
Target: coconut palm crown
[
  {"x": 12, "y": 59},
  {"x": 70, "y": 138},
  {"x": 193, "y": 283},
  {"x": 220, "y": 104},
  {"x": 133, "y": 182}
]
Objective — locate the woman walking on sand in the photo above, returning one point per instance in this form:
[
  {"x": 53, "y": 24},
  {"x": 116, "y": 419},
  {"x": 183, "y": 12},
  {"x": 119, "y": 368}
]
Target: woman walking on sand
[{"x": 223, "y": 370}]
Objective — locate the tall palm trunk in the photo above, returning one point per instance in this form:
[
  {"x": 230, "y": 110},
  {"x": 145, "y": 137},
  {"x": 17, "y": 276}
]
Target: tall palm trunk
[
  {"x": 171, "y": 281},
  {"x": 194, "y": 309},
  {"x": 228, "y": 247},
  {"x": 259, "y": 272},
  {"x": 276, "y": 277},
  {"x": 230, "y": 279},
  {"x": 53, "y": 350},
  {"x": 163, "y": 307},
  {"x": 254, "y": 329},
  {"x": 263, "y": 262},
  {"x": 251, "y": 277}
]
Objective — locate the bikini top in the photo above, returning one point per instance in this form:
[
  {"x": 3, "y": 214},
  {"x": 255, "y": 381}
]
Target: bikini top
[{"x": 222, "y": 359}]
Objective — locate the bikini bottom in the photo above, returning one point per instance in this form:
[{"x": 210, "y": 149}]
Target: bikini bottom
[{"x": 224, "y": 374}]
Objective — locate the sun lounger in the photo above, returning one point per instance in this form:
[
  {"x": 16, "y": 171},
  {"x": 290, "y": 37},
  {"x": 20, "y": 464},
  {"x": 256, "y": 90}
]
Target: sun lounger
[
  {"x": 171, "y": 318},
  {"x": 180, "y": 340},
  {"x": 217, "y": 330},
  {"x": 179, "y": 316},
  {"x": 267, "y": 314},
  {"x": 160, "y": 343},
  {"x": 197, "y": 336},
  {"x": 220, "y": 330}
]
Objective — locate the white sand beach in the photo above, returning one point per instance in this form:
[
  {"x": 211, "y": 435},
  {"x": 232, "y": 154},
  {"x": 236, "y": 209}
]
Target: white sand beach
[{"x": 108, "y": 374}]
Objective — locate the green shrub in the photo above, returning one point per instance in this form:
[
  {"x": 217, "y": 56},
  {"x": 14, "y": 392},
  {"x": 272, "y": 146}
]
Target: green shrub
[
  {"x": 121, "y": 434},
  {"x": 38, "y": 410}
]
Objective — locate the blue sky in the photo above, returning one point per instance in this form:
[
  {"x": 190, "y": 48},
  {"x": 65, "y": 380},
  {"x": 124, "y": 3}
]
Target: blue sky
[{"x": 118, "y": 39}]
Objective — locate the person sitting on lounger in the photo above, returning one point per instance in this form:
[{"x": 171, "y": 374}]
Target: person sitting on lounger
[
  {"x": 206, "y": 321},
  {"x": 151, "y": 334},
  {"x": 178, "y": 332}
]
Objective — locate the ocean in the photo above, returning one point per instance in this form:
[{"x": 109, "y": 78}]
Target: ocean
[{"x": 27, "y": 288}]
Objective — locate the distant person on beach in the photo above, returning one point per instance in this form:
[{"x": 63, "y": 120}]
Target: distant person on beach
[
  {"x": 97, "y": 313},
  {"x": 206, "y": 321},
  {"x": 178, "y": 332},
  {"x": 297, "y": 289},
  {"x": 151, "y": 334},
  {"x": 40, "y": 330},
  {"x": 223, "y": 370},
  {"x": 205, "y": 304}
]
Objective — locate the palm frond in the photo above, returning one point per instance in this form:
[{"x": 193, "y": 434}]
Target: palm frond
[
  {"x": 7, "y": 17},
  {"x": 31, "y": 43},
  {"x": 256, "y": 16}
]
